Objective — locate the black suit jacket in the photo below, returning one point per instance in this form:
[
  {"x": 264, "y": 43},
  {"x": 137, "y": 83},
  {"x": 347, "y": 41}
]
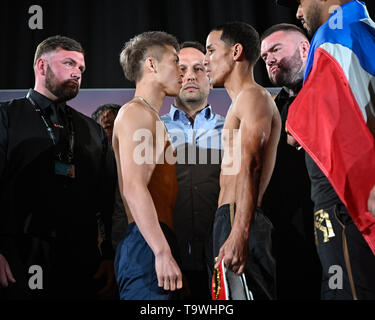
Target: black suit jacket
[{"x": 36, "y": 203}]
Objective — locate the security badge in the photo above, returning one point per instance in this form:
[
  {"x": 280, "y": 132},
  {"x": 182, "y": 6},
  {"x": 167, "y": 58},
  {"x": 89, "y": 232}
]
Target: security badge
[{"x": 65, "y": 169}]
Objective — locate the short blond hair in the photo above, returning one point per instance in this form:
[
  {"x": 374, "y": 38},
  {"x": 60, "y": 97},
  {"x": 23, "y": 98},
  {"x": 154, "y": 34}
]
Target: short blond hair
[{"x": 136, "y": 50}]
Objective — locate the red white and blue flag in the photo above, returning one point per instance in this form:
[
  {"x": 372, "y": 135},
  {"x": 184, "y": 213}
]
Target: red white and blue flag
[{"x": 333, "y": 116}]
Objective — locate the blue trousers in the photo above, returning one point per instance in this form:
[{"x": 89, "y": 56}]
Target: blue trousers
[{"x": 135, "y": 266}]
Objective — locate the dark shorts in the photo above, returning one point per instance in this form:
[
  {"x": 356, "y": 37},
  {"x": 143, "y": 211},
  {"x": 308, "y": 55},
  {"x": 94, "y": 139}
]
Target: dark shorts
[
  {"x": 260, "y": 270},
  {"x": 135, "y": 266},
  {"x": 348, "y": 264}
]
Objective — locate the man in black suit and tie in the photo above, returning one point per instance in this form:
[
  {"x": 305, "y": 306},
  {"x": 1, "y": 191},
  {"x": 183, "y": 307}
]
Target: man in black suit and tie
[{"x": 57, "y": 173}]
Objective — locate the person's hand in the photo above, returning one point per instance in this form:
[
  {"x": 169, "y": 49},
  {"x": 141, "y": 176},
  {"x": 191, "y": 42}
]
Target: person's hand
[
  {"x": 106, "y": 271},
  {"x": 6, "y": 275},
  {"x": 292, "y": 142},
  {"x": 168, "y": 273},
  {"x": 234, "y": 251},
  {"x": 371, "y": 202}
]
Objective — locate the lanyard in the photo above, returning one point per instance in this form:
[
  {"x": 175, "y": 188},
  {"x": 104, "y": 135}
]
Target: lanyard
[{"x": 50, "y": 131}]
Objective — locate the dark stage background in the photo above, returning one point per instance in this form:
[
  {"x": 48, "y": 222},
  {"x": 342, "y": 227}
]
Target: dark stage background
[{"x": 103, "y": 26}]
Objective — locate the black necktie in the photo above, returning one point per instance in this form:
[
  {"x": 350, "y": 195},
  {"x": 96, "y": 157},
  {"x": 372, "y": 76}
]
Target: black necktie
[
  {"x": 53, "y": 113},
  {"x": 59, "y": 123},
  {"x": 54, "y": 117}
]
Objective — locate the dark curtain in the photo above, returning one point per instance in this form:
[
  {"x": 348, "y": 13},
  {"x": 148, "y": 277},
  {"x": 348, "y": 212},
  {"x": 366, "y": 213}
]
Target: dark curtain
[{"x": 104, "y": 26}]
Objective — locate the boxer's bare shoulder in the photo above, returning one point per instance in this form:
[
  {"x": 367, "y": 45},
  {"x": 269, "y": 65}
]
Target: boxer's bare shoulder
[
  {"x": 253, "y": 99},
  {"x": 136, "y": 114}
]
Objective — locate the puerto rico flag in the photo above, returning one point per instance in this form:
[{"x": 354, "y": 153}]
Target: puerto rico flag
[{"x": 333, "y": 116}]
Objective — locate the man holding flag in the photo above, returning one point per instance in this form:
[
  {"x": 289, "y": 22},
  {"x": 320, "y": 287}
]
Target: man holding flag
[{"x": 333, "y": 119}]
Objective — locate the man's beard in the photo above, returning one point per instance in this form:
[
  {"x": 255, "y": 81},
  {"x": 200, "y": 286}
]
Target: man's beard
[
  {"x": 190, "y": 99},
  {"x": 290, "y": 71},
  {"x": 313, "y": 19},
  {"x": 63, "y": 91}
]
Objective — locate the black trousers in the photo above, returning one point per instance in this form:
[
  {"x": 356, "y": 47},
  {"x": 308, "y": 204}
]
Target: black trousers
[
  {"x": 348, "y": 264},
  {"x": 198, "y": 286},
  {"x": 67, "y": 270},
  {"x": 260, "y": 270}
]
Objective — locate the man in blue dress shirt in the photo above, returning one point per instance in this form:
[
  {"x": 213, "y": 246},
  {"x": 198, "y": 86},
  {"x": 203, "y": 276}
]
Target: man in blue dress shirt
[{"x": 195, "y": 131}]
